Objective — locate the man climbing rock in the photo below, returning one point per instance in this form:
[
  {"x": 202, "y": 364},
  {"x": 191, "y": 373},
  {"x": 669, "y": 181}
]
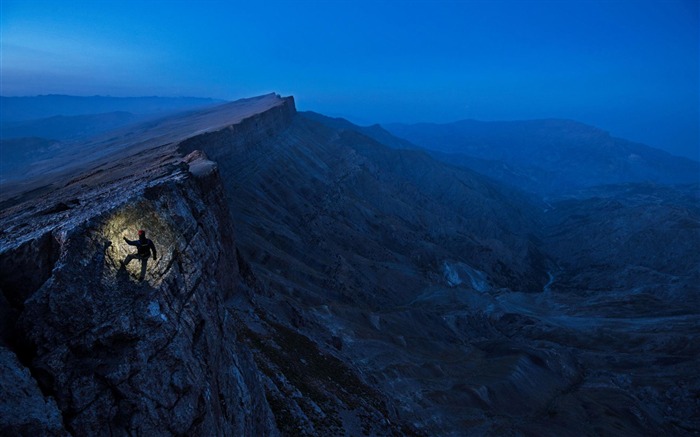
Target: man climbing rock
[{"x": 145, "y": 247}]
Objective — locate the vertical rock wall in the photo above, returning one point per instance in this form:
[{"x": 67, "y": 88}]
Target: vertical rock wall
[{"x": 108, "y": 354}]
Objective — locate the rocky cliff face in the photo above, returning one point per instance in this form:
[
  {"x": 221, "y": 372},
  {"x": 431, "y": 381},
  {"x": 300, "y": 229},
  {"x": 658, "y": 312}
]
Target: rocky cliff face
[
  {"x": 88, "y": 348},
  {"x": 101, "y": 352}
]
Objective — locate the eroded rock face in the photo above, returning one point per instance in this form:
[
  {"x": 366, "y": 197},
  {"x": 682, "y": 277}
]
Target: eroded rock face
[
  {"x": 23, "y": 408},
  {"x": 426, "y": 278},
  {"x": 98, "y": 351},
  {"x": 124, "y": 356},
  {"x": 374, "y": 253}
]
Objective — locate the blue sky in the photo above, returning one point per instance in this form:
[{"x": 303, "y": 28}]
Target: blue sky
[{"x": 629, "y": 67}]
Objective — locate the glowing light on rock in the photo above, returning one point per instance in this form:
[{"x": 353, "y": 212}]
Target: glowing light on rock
[{"x": 125, "y": 223}]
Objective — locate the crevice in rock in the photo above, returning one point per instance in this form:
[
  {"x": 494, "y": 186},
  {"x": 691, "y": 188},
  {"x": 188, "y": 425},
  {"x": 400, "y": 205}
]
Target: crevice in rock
[
  {"x": 246, "y": 272},
  {"x": 175, "y": 256},
  {"x": 188, "y": 297},
  {"x": 202, "y": 409},
  {"x": 26, "y": 268},
  {"x": 8, "y": 319},
  {"x": 44, "y": 379},
  {"x": 198, "y": 330}
]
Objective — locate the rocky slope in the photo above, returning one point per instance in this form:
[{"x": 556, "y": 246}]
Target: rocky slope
[
  {"x": 641, "y": 237},
  {"x": 451, "y": 347},
  {"x": 313, "y": 281}
]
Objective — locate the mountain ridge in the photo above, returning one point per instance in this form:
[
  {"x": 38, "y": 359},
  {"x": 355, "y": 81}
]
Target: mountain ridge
[
  {"x": 313, "y": 280},
  {"x": 77, "y": 155},
  {"x": 549, "y": 156}
]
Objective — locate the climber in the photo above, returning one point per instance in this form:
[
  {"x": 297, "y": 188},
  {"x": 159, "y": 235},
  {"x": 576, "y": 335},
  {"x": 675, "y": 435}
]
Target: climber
[{"x": 144, "y": 246}]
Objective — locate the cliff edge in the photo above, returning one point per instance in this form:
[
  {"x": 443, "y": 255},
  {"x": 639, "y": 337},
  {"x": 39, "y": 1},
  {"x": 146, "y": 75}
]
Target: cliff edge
[
  {"x": 89, "y": 349},
  {"x": 89, "y": 346}
]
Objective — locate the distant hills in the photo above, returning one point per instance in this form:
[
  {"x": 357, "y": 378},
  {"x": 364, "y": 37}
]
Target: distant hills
[
  {"x": 549, "y": 156},
  {"x": 33, "y": 128},
  {"x": 14, "y": 109},
  {"x": 61, "y": 127}
]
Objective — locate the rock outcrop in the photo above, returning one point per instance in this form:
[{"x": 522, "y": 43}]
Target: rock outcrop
[
  {"x": 88, "y": 349},
  {"x": 116, "y": 355}
]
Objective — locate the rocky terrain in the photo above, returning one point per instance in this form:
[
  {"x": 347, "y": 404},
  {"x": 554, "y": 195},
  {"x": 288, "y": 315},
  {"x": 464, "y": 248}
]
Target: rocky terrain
[
  {"x": 315, "y": 278},
  {"x": 625, "y": 237},
  {"x": 88, "y": 349},
  {"x": 101, "y": 353}
]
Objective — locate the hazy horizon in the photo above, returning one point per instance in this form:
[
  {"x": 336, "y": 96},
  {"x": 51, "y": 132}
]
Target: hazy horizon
[{"x": 595, "y": 62}]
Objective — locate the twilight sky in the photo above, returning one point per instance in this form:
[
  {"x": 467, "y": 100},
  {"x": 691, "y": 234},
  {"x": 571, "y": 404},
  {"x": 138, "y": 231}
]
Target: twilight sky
[{"x": 628, "y": 66}]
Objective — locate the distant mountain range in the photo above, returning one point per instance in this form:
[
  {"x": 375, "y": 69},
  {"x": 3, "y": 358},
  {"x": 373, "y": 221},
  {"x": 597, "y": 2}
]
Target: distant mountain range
[
  {"x": 14, "y": 109},
  {"x": 549, "y": 156},
  {"x": 29, "y": 125},
  {"x": 61, "y": 127}
]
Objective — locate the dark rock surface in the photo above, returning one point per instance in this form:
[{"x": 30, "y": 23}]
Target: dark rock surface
[
  {"x": 635, "y": 236},
  {"x": 23, "y": 408},
  {"x": 119, "y": 356},
  {"x": 311, "y": 280},
  {"x": 112, "y": 354}
]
